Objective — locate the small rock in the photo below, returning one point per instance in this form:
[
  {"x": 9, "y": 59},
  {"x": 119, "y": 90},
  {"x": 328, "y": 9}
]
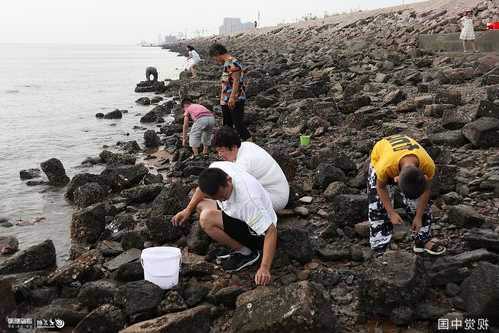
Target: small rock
[
  {"x": 30, "y": 173},
  {"x": 55, "y": 172},
  {"x": 116, "y": 114}
]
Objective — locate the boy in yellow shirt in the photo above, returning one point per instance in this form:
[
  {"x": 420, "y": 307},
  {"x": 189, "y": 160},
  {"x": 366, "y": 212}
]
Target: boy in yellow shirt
[{"x": 400, "y": 159}]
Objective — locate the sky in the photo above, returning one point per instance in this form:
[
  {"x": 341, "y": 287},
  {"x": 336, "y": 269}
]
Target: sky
[{"x": 131, "y": 21}]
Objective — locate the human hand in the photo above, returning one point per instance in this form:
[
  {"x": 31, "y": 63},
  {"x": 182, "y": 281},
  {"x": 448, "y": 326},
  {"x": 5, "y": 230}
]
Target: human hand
[
  {"x": 232, "y": 102},
  {"x": 416, "y": 224},
  {"x": 395, "y": 217},
  {"x": 263, "y": 276},
  {"x": 184, "y": 141},
  {"x": 181, "y": 217}
]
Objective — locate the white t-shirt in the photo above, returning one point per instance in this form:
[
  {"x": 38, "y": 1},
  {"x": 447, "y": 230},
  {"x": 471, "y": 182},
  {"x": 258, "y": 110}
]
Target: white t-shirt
[
  {"x": 257, "y": 162},
  {"x": 195, "y": 56},
  {"x": 249, "y": 201}
]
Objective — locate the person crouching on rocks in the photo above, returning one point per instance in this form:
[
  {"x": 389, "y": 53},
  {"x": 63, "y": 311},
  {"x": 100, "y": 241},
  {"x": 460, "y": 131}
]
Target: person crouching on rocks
[
  {"x": 202, "y": 128},
  {"x": 400, "y": 159},
  {"x": 151, "y": 71},
  {"x": 193, "y": 59},
  {"x": 232, "y": 96},
  {"x": 256, "y": 161},
  {"x": 242, "y": 218}
]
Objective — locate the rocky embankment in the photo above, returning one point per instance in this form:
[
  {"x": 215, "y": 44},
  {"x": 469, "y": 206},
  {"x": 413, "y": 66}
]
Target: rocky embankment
[{"x": 347, "y": 86}]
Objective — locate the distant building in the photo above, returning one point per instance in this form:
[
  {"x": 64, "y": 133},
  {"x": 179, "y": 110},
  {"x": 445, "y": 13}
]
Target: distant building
[
  {"x": 233, "y": 25},
  {"x": 169, "y": 39}
]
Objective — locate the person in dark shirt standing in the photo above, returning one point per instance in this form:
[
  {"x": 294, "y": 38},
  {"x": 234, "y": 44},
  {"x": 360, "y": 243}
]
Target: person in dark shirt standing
[{"x": 232, "y": 95}]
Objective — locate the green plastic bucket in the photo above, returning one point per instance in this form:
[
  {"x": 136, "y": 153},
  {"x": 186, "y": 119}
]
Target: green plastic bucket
[{"x": 304, "y": 140}]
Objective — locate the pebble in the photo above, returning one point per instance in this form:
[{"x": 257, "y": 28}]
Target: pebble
[
  {"x": 306, "y": 199},
  {"x": 301, "y": 211}
]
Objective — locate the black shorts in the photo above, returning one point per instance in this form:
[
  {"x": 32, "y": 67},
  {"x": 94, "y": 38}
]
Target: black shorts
[{"x": 241, "y": 232}]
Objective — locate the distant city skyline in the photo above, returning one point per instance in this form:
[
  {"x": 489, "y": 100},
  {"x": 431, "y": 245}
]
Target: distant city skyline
[{"x": 129, "y": 22}]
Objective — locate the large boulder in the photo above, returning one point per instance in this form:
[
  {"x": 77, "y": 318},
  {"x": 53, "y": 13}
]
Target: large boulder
[
  {"x": 83, "y": 268},
  {"x": 65, "y": 309},
  {"x": 480, "y": 292},
  {"x": 300, "y": 307},
  {"x": 97, "y": 293},
  {"x": 160, "y": 229},
  {"x": 88, "y": 224},
  {"x": 171, "y": 199},
  {"x": 111, "y": 158},
  {"x": 104, "y": 319},
  {"x": 295, "y": 243},
  {"x": 37, "y": 257},
  {"x": 139, "y": 297},
  {"x": 89, "y": 194},
  {"x": 326, "y": 174},
  {"x": 82, "y": 179},
  {"x": 151, "y": 139},
  {"x": 449, "y": 138},
  {"x": 488, "y": 109},
  {"x": 142, "y": 193},
  {"x": 465, "y": 216},
  {"x": 193, "y": 320},
  {"x": 122, "y": 177},
  {"x": 55, "y": 172},
  {"x": 483, "y": 132},
  {"x": 349, "y": 209},
  {"x": 395, "y": 280}
]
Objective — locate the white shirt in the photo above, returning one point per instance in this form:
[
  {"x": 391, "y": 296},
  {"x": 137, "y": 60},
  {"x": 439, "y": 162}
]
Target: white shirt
[
  {"x": 195, "y": 56},
  {"x": 257, "y": 162},
  {"x": 249, "y": 201}
]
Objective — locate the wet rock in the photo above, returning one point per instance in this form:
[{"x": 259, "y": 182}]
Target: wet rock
[
  {"x": 121, "y": 222},
  {"x": 97, "y": 293},
  {"x": 111, "y": 158},
  {"x": 173, "y": 302},
  {"x": 150, "y": 179},
  {"x": 295, "y": 243},
  {"x": 465, "y": 216},
  {"x": 483, "y": 132},
  {"x": 130, "y": 147},
  {"x": 66, "y": 309},
  {"x": 226, "y": 296},
  {"x": 326, "y": 174},
  {"x": 142, "y": 193},
  {"x": 88, "y": 224},
  {"x": 82, "y": 179},
  {"x": 395, "y": 280},
  {"x": 131, "y": 271},
  {"x": 160, "y": 229},
  {"x": 139, "y": 297},
  {"x": 480, "y": 292},
  {"x": 37, "y": 257},
  {"x": 116, "y": 114},
  {"x": 84, "y": 268},
  {"x": 488, "y": 109},
  {"x": 30, "y": 173},
  {"x": 151, "y": 139},
  {"x": 122, "y": 177},
  {"x": 126, "y": 257},
  {"x": 349, "y": 209},
  {"x": 150, "y": 86},
  {"x": 88, "y": 194},
  {"x": 143, "y": 101},
  {"x": 194, "y": 293},
  {"x": 299, "y": 307},
  {"x": 150, "y": 117},
  {"x": 8, "y": 245},
  {"x": 193, "y": 320},
  {"x": 483, "y": 238},
  {"x": 55, "y": 172},
  {"x": 131, "y": 240},
  {"x": 104, "y": 319},
  {"x": 172, "y": 199},
  {"x": 99, "y": 115},
  {"x": 197, "y": 240}
]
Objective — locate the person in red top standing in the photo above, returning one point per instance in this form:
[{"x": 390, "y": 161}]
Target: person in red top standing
[
  {"x": 232, "y": 95},
  {"x": 202, "y": 128}
]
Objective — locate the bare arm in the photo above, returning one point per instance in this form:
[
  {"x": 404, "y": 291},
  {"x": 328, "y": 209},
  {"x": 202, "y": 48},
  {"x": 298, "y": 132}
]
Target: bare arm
[
  {"x": 384, "y": 196},
  {"x": 185, "y": 128},
  {"x": 184, "y": 215},
  {"x": 263, "y": 275},
  {"x": 235, "y": 88}
]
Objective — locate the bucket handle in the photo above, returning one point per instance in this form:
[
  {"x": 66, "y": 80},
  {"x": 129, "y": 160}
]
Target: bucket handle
[{"x": 180, "y": 261}]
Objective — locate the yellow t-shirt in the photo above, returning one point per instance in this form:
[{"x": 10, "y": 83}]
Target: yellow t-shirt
[{"x": 387, "y": 153}]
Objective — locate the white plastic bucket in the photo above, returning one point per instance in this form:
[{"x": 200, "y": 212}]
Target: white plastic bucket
[{"x": 161, "y": 265}]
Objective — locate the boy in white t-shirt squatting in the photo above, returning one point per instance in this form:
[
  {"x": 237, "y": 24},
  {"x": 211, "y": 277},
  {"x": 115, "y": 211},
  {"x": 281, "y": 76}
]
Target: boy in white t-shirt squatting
[{"x": 242, "y": 218}]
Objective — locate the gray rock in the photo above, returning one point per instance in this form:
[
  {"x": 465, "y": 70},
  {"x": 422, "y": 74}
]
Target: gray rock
[
  {"x": 453, "y": 119},
  {"x": 171, "y": 200},
  {"x": 130, "y": 147},
  {"x": 151, "y": 139},
  {"x": 116, "y": 114},
  {"x": 482, "y": 238},
  {"x": 104, "y": 319},
  {"x": 198, "y": 241},
  {"x": 465, "y": 216},
  {"x": 132, "y": 239},
  {"x": 82, "y": 179},
  {"x": 483, "y": 132},
  {"x": 226, "y": 296},
  {"x": 89, "y": 194},
  {"x": 88, "y": 224},
  {"x": 143, "y": 101},
  {"x": 8, "y": 245},
  {"x": 334, "y": 189},
  {"x": 139, "y": 297},
  {"x": 111, "y": 158},
  {"x": 96, "y": 293},
  {"x": 488, "y": 109},
  {"x": 299, "y": 307},
  {"x": 160, "y": 229},
  {"x": 132, "y": 271},
  {"x": 83, "y": 268},
  {"x": 193, "y": 320},
  {"x": 326, "y": 174},
  {"x": 37, "y": 257},
  {"x": 142, "y": 193},
  {"x": 295, "y": 243},
  {"x": 150, "y": 117},
  {"x": 480, "y": 292},
  {"x": 173, "y": 302},
  {"x": 349, "y": 209},
  {"x": 66, "y": 309},
  {"x": 395, "y": 280},
  {"x": 122, "y": 177},
  {"x": 30, "y": 173},
  {"x": 126, "y": 257},
  {"x": 55, "y": 172}
]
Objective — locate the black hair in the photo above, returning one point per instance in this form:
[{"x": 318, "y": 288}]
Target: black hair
[
  {"x": 412, "y": 182},
  {"x": 226, "y": 137},
  {"x": 190, "y": 48},
  {"x": 216, "y": 50},
  {"x": 211, "y": 179},
  {"x": 185, "y": 100}
]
